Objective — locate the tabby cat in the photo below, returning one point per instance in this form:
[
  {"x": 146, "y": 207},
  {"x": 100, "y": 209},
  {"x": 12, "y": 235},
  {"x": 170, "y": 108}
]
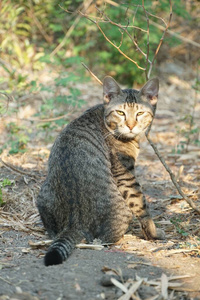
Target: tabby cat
[{"x": 90, "y": 190}]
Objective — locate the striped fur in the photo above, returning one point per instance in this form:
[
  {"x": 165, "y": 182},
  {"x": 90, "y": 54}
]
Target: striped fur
[{"x": 90, "y": 190}]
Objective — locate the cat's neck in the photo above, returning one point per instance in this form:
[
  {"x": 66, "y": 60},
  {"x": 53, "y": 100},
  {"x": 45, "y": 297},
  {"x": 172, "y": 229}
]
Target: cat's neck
[{"x": 129, "y": 147}]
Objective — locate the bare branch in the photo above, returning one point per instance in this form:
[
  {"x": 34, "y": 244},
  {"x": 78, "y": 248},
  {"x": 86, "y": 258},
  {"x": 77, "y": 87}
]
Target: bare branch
[
  {"x": 85, "y": 4},
  {"x": 120, "y": 51},
  {"x": 107, "y": 39},
  {"x": 95, "y": 77},
  {"x": 173, "y": 179},
  {"x": 8, "y": 100},
  {"x": 147, "y": 55},
  {"x": 16, "y": 170},
  {"x": 161, "y": 40},
  {"x": 126, "y": 31}
]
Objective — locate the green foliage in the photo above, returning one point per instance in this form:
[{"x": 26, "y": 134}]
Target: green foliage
[
  {"x": 30, "y": 30},
  {"x": 180, "y": 228},
  {"x": 17, "y": 138},
  {"x": 3, "y": 183}
]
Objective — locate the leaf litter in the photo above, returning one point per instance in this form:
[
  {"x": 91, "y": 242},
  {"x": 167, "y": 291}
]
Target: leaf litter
[{"x": 178, "y": 256}]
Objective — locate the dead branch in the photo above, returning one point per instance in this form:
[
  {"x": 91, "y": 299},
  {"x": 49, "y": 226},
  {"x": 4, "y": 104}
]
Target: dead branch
[
  {"x": 167, "y": 168},
  {"x": 108, "y": 40},
  {"x": 9, "y": 99},
  {"x": 147, "y": 55},
  {"x": 97, "y": 79},
  {"x": 173, "y": 179},
  {"x": 171, "y": 32},
  {"x": 16, "y": 170},
  {"x": 124, "y": 29},
  {"x": 161, "y": 40},
  {"x": 85, "y": 5}
]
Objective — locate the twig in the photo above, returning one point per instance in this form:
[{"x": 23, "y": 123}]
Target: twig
[
  {"x": 147, "y": 55},
  {"x": 167, "y": 168},
  {"x": 39, "y": 25},
  {"x": 95, "y": 77},
  {"x": 124, "y": 28},
  {"x": 16, "y": 170},
  {"x": 9, "y": 98},
  {"x": 105, "y": 18},
  {"x": 173, "y": 179},
  {"x": 108, "y": 40},
  {"x": 85, "y": 4},
  {"x": 171, "y": 32},
  {"x": 161, "y": 40}
]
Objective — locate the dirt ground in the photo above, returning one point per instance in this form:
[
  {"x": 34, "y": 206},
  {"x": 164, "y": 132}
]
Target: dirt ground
[{"x": 144, "y": 269}]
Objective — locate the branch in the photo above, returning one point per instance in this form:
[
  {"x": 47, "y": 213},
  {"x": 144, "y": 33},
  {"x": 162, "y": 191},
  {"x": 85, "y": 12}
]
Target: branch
[
  {"x": 95, "y": 77},
  {"x": 85, "y": 4},
  {"x": 147, "y": 56},
  {"x": 125, "y": 30},
  {"x": 178, "y": 36},
  {"x": 161, "y": 40},
  {"x": 167, "y": 168},
  {"x": 105, "y": 19},
  {"x": 9, "y": 99},
  {"x": 173, "y": 179},
  {"x": 107, "y": 39},
  {"x": 16, "y": 170}
]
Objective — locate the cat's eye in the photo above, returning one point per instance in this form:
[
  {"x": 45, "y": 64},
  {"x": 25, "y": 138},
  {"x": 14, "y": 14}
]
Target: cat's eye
[
  {"x": 140, "y": 113},
  {"x": 121, "y": 113}
]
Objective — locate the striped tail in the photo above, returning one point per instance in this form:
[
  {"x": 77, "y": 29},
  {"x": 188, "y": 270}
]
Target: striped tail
[{"x": 61, "y": 248}]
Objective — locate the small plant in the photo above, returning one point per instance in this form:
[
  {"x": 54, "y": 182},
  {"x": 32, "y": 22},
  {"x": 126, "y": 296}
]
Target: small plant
[
  {"x": 18, "y": 138},
  {"x": 5, "y": 182},
  {"x": 179, "y": 227}
]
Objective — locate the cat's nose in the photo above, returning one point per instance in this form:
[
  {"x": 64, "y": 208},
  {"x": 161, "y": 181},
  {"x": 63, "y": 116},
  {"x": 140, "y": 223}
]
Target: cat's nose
[{"x": 130, "y": 125}]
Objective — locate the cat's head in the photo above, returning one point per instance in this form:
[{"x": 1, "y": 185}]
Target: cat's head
[{"x": 128, "y": 113}]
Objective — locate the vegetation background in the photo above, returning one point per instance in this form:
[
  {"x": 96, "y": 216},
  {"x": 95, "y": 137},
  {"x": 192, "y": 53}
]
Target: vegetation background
[{"x": 41, "y": 49}]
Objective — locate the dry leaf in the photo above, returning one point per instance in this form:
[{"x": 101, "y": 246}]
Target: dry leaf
[
  {"x": 40, "y": 244},
  {"x": 119, "y": 285},
  {"x": 110, "y": 271},
  {"x": 90, "y": 246},
  {"x": 164, "y": 286},
  {"x": 131, "y": 290},
  {"x": 26, "y": 250}
]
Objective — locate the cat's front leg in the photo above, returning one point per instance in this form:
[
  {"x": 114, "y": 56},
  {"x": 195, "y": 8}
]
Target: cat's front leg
[
  {"x": 137, "y": 203},
  {"x": 150, "y": 230}
]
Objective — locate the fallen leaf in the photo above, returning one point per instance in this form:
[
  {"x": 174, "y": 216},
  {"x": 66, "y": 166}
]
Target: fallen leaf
[
  {"x": 131, "y": 290},
  {"x": 90, "y": 246},
  {"x": 164, "y": 286}
]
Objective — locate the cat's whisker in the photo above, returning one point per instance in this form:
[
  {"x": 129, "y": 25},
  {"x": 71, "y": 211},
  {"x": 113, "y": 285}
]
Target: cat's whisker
[{"x": 107, "y": 135}]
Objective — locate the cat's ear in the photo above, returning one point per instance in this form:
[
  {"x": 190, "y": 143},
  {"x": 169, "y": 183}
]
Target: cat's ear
[
  {"x": 150, "y": 91},
  {"x": 110, "y": 88}
]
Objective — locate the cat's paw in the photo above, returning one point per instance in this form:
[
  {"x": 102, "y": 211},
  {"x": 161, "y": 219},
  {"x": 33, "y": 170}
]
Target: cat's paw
[
  {"x": 160, "y": 234},
  {"x": 150, "y": 231}
]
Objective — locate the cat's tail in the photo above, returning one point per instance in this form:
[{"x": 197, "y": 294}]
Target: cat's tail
[{"x": 62, "y": 247}]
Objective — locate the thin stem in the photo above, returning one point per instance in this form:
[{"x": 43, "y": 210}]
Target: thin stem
[
  {"x": 95, "y": 77},
  {"x": 173, "y": 179},
  {"x": 161, "y": 40},
  {"x": 147, "y": 55},
  {"x": 120, "y": 51}
]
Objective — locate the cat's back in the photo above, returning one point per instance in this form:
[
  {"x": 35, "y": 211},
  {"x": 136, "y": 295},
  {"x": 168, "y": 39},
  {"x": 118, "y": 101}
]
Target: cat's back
[{"x": 81, "y": 139}]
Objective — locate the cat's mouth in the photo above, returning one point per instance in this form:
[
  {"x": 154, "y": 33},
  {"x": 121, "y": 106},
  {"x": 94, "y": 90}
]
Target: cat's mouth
[{"x": 126, "y": 136}]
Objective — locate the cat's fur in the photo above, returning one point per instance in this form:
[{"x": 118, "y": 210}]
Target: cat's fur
[{"x": 91, "y": 191}]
